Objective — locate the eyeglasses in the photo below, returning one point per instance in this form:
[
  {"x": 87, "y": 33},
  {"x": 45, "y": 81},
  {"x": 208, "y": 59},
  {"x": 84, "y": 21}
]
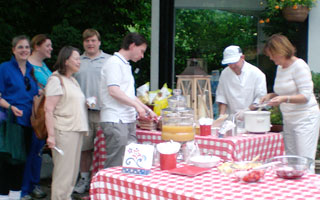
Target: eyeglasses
[{"x": 27, "y": 83}]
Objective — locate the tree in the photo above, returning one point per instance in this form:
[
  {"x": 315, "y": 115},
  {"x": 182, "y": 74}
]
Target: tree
[
  {"x": 65, "y": 20},
  {"x": 205, "y": 34}
]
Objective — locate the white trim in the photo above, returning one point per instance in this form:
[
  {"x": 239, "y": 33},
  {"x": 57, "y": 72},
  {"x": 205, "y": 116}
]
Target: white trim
[
  {"x": 154, "y": 61},
  {"x": 313, "y": 39}
]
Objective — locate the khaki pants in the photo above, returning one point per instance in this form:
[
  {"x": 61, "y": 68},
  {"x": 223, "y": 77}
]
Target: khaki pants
[
  {"x": 117, "y": 136},
  {"x": 94, "y": 125},
  {"x": 66, "y": 167}
]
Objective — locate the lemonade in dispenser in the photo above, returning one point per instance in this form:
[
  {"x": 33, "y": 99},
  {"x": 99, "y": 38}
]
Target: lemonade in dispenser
[{"x": 177, "y": 119}]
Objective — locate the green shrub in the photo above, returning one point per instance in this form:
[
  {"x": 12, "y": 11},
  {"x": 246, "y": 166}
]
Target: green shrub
[{"x": 275, "y": 116}]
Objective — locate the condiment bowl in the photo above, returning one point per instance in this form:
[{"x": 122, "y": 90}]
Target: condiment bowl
[{"x": 205, "y": 161}]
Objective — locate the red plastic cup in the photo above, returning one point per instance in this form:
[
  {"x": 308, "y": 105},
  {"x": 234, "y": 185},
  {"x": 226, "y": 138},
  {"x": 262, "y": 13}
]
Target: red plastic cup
[
  {"x": 168, "y": 161},
  {"x": 205, "y": 130}
]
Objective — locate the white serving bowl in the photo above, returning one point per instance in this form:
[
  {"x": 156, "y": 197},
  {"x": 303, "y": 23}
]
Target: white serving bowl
[{"x": 205, "y": 161}]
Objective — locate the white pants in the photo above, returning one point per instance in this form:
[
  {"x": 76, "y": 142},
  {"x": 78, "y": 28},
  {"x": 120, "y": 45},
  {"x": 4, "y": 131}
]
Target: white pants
[
  {"x": 301, "y": 134},
  {"x": 66, "y": 167}
]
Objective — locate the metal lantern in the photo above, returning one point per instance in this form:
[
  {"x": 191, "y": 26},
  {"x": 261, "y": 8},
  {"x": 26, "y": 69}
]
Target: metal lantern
[{"x": 196, "y": 87}]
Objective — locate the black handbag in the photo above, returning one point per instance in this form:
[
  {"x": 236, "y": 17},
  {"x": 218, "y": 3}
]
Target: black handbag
[{"x": 12, "y": 140}]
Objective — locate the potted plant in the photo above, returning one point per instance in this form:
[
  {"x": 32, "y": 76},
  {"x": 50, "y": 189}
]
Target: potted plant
[
  {"x": 316, "y": 89},
  {"x": 276, "y": 119},
  {"x": 292, "y": 10},
  {"x": 317, "y": 161}
]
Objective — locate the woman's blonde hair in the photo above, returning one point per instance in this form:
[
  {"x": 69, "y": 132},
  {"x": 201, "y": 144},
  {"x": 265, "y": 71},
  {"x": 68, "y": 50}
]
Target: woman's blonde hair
[{"x": 279, "y": 44}]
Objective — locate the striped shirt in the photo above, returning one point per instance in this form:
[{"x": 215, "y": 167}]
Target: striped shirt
[{"x": 293, "y": 80}]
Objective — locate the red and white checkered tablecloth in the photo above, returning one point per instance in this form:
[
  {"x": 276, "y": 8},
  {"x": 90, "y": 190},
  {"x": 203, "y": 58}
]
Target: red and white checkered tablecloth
[
  {"x": 231, "y": 148},
  {"x": 111, "y": 184},
  {"x": 99, "y": 154}
]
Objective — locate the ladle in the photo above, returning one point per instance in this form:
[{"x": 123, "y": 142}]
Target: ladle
[{"x": 267, "y": 165}]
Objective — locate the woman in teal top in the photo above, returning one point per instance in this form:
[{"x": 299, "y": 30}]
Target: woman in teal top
[
  {"x": 41, "y": 49},
  {"x": 42, "y": 73}
]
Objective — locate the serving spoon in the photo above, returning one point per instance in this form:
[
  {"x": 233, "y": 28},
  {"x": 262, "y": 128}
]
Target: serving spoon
[
  {"x": 59, "y": 150},
  {"x": 266, "y": 165}
]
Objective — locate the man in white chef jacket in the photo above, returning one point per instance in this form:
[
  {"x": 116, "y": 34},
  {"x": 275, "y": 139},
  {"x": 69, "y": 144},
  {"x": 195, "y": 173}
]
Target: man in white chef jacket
[{"x": 240, "y": 84}]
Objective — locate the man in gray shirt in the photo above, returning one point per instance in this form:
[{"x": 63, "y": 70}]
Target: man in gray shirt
[{"x": 88, "y": 77}]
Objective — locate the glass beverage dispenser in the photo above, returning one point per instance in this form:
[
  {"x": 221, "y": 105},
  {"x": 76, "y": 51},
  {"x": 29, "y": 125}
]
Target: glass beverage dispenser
[{"x": 177, "y": 120}]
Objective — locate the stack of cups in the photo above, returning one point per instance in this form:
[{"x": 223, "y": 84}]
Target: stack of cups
[
  {"x": 168, "y": 154},
  {"x": 205, "y": 126}
]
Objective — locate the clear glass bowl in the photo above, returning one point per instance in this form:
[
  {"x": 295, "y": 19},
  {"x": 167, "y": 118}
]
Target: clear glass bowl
[{"x": 291, "y": 166}]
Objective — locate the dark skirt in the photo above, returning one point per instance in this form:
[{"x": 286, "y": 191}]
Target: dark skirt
[{"x": 13, "y": 140}]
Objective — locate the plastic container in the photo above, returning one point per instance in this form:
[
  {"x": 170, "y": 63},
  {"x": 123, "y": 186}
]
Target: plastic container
[
  {"x": 250, "y": 175},
  {"x": 168, "y": 161},
  {"x": 205, "y": 130},
  {"x": 168, "y": 154},
  {"x": 246, "y": 172}
]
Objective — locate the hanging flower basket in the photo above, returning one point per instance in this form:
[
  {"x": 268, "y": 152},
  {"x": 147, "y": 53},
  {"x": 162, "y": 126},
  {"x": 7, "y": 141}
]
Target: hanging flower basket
[
  {"x": 292, "y": 10},
  {"x": 295, "y": 14}
]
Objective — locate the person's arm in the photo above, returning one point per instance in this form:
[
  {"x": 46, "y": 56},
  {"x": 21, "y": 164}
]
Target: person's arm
[
  {"x": 299, "y": 98},
  {"x": 150, "y": 113},
  {"x": 16, "y": 111},
  {"x": 268, "y": 97},
  {"x": 120, "y": 96},
  {"x": 222, "y": 108},
  {"x": 49, "y": 107}
]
